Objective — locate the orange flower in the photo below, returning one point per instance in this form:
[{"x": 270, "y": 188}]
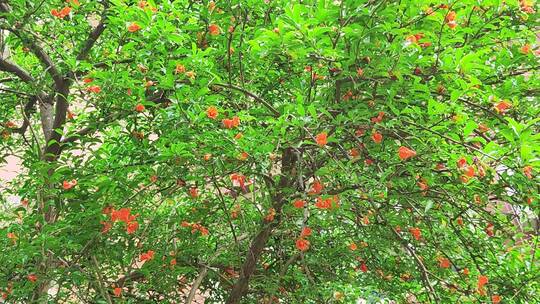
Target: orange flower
[
  {"x": 88, "y": 80},
  {"x": 469, "y": 172},
  {"x": 213, "y": 29},
  {"x": 503, "y": 107},
  {"x": 378, "y": 118},
  {"x": 299, "y": 204},
  {"x": 451, "y": 16},
  {"x": 123, "y": 215},
  {"x": 526, "y": 6},
  {"x": 359, "y": 72},
  {"x": 180, "y": 69},
  {"x": 62, "y": 13},
  {"x": 200, "y": 228},
  {"x": 147, "y": 256},
  {"x": 452, "y": 24},
  {"x": 117, "y": 291},
  {"x": 238, "y": 135},
  {"x": 527, "y": 170},
  {"x": 212, "y": 112},
  {"x": 348, "y": 95},
  {"x": 353, "y": 246},
  {"x": 172, "y": 262},
  {"x": 482, "y": 128},
  {"x": 190, "y": 74},
  {"x": 525, "y": 49},
  {"x": 496, "y": 299},
  {"x": 316, "y": 188},
  {"x": 211, "y": 6},
  {"x": 377, "y": 137},
  {"x": 461, "y": 162},
  {"x": 323, "y": 203},
  {"x": 139, "y": 107},
  {"x": 406, "y": 153},
  {"x": 270, "y": 215},
  {"x": 451, "y": 19},
  {"x": 411, "y": 39},
  {"x": 193, "y": 192},
  {"x": 490, "y": 229},
  {"x": 365, "y": 220},
  {"x": 416, "y": 232},
  {"x": 32, "y": 278},
  {"x": 302, "y": 244},
  {"x": 306, "y": 231},
  {"x": 149, "y": 83},
  {"x": 143, "y": 4},
  {"x": 321, "y": 139},
  {"x": 12, "y": 236},
  {"x": 422, "y": 184},
  {"x": 243, "y": 156},
  {"x": 236, "y": 121},
  {"x": 466, "y": 271},
  {"x": 134, "y": 27},
  {"x": 69, "y": 184},
  {"x": 231, "y": 123},
  {"x": 70, "y": 115},
  {"x": 238, "y": 180},
  {"x": 354, "y": 152},
  {"x": 482, "y": 281},
  {"x": 234, "y": 212},
  {"x": 459, "y": 221},
  {"x": 443, "y": 262},
  {"x": 207, "y": 156},
  {"x": 93, "y": 89},
  {"x": 131, "y": 227},
  {"x": 363, "y": 267}
]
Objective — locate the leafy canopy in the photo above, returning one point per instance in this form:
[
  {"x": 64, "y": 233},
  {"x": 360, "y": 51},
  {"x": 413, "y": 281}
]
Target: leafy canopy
[{"x": 270, "y": 151}]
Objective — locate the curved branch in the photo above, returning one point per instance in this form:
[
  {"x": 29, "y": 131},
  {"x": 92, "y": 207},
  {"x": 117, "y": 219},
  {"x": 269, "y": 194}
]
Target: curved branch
[
  {"x": 252, "y": 95},
  {"x": 11, "y": 67},
  {"x": 94, "y": 35}
]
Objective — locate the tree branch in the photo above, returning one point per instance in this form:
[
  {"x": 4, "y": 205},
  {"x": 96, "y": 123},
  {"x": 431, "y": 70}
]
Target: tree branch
[
  {"x": 11, "y": 67},
  {"x": 288, "y": 164},
  {"x": 252, "y": 95},
  {"x": 43, "y": 57},
  {"x": 94, "y": 35}
]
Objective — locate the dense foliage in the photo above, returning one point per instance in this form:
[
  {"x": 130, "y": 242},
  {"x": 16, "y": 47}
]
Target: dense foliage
[{"x": 270, "y": 151}]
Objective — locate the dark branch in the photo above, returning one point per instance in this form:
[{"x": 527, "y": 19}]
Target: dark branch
[
  {"x": 11, "y": 67},
  {"x": 94, "y": 35},
  {"x": 252, "y": 95}
]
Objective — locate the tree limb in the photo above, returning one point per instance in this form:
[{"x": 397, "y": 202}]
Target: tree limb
[
  {"x": 252, "y": 95},
  {"x": 11, "y": 67}
]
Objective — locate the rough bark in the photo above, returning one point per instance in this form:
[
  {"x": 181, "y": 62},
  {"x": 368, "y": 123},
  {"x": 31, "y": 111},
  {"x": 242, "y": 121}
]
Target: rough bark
[{"x": 287, "y": 178}]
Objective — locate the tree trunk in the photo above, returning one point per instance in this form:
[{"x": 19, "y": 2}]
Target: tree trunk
[{"x": 288, "y": 162}]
